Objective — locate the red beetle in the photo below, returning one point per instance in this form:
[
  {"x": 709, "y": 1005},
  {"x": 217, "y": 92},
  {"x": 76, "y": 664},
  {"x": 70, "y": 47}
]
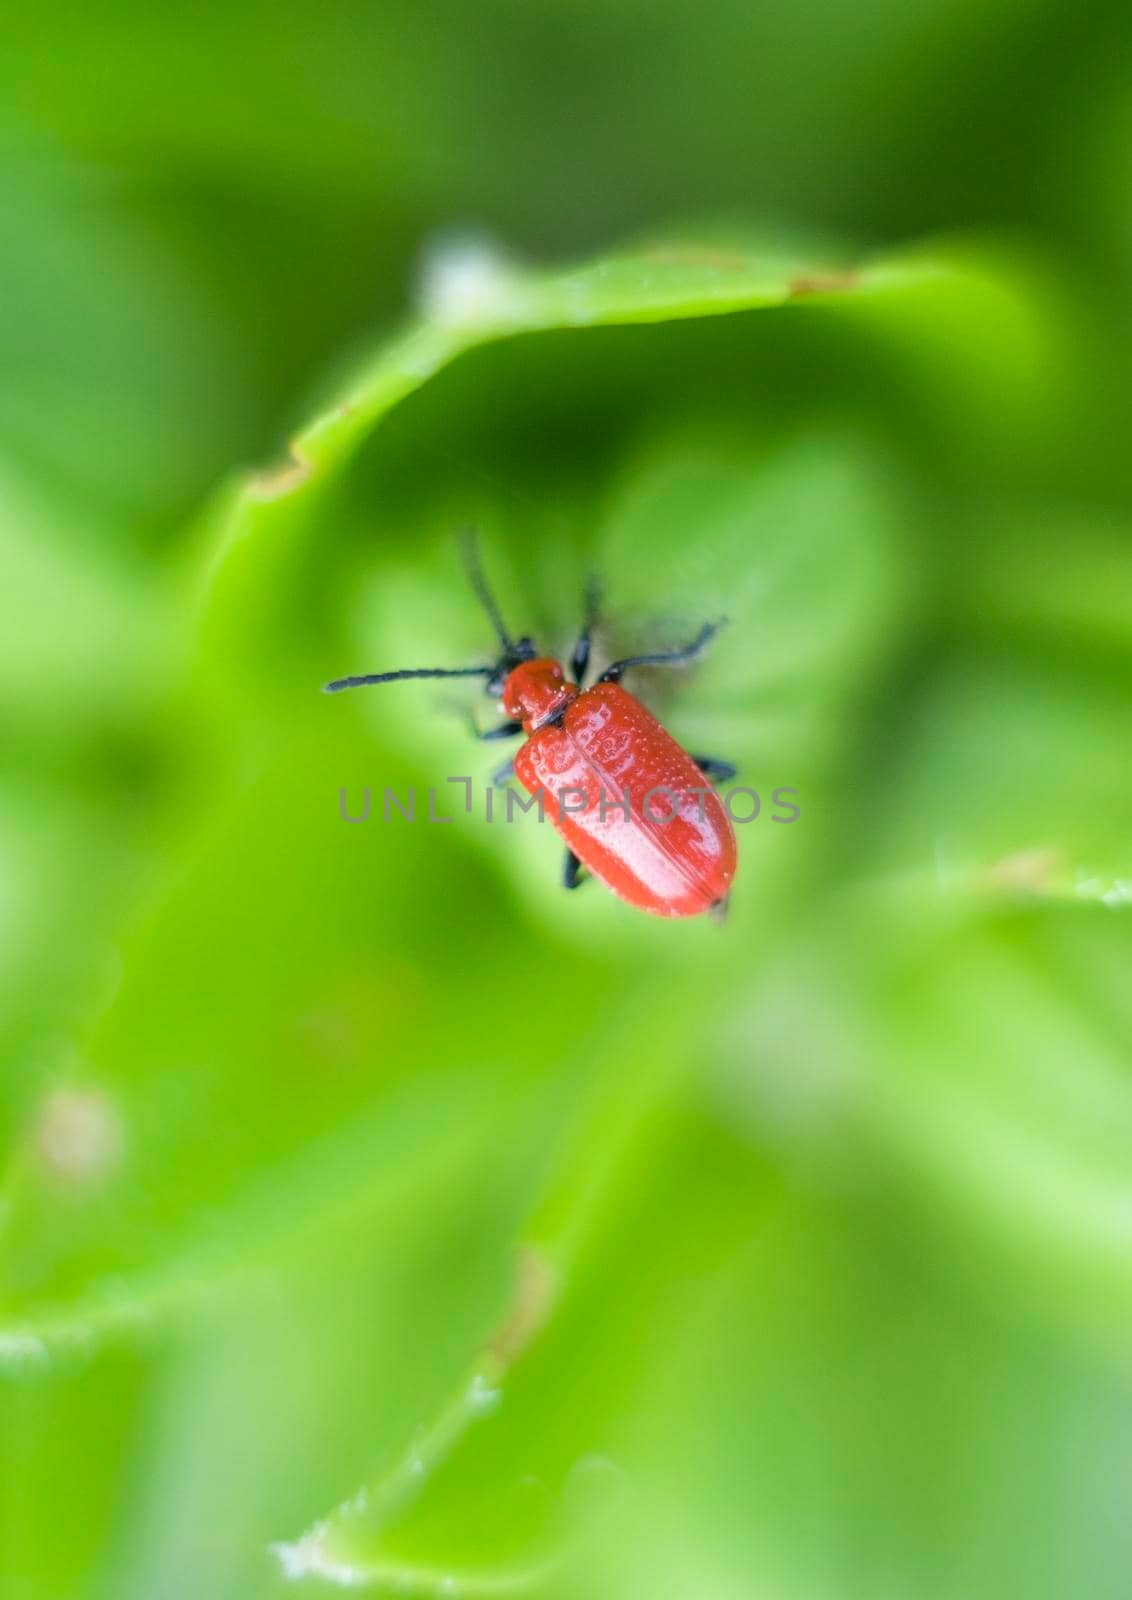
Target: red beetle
[{"x": 628, "y": 800}]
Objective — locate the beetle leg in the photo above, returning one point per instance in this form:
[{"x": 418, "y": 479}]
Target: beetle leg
[
  {"x": 572, "y": 870},
  {"x": 718, "y": 771},
  {"x": 580, "y": 660},
  {"x": 505, "y": 730},
  {"x": 663, "y": 658},
  {"x": 501, "y": 774}
]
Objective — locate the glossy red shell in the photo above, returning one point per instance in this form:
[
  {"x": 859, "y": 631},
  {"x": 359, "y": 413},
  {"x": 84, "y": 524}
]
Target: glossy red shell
[
  {"x": 535, "y": 691},
  {"x": 605, "y": 744}
]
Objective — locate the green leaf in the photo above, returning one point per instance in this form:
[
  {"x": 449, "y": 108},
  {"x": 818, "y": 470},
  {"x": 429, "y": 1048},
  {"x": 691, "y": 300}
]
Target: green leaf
[{"x": 349, "y": 1070}]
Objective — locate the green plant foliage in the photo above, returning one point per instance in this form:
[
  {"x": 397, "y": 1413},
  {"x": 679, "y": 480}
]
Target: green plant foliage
[{"x": 373, "y": 1215}]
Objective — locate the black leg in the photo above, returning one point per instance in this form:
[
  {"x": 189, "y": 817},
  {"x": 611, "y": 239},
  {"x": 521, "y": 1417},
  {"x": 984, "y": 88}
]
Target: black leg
[
  {"x": 580, "y": 660},
  {"x": 502, "y": 774},
  {"x": 572, "y": 870},
  {"x": 663, "y": 658},
  {"x": 505, "y": 730},
  {"x": 717, "y": 771}
]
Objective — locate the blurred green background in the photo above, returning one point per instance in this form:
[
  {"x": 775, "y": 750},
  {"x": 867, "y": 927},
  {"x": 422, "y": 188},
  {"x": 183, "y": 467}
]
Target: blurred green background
[{"x": 372, "y": 1214}]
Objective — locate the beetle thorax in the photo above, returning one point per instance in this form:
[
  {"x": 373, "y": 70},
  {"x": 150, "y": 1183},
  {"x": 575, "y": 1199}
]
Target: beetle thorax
[{"x": 536, "y": 692}]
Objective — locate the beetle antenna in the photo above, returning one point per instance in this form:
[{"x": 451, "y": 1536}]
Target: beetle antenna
[
  {"x": 469, "y": 550},
  {"x": 407, "y": 672}
]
